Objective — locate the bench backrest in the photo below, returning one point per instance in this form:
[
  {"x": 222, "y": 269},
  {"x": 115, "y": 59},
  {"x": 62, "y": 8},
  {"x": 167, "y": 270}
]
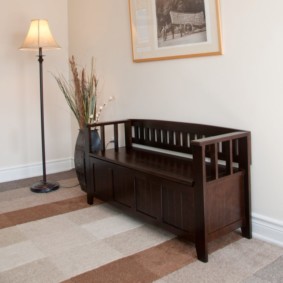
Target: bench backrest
[{"x": 174, "y": 136}]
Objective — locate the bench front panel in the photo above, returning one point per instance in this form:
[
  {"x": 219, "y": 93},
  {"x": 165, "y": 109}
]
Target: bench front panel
[{"x": 155, "y": 198}]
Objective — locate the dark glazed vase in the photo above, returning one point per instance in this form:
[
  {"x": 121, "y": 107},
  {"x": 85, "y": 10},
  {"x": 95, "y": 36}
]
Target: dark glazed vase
[{"x": 80, "y": 165}]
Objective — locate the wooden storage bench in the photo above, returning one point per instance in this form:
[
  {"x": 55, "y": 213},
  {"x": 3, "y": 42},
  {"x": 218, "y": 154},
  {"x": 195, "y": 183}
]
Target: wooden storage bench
[{"x": 192, "y": 179}]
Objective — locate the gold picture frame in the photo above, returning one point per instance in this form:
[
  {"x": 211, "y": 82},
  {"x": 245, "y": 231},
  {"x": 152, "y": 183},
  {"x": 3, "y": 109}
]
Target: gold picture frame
[{"x": 162, "y": 34}]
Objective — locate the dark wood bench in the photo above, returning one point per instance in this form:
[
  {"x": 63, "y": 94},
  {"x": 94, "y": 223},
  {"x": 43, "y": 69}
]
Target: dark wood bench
[{"x": 192, "y": 179}]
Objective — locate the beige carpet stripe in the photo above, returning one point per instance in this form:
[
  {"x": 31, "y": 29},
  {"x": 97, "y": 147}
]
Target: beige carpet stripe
[
  {"x": 43, "y": 211},
  {"x": 151, "y": 264}
]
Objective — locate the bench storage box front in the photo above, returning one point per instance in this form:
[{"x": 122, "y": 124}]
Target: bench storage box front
[{"x": 189, "y": 178}]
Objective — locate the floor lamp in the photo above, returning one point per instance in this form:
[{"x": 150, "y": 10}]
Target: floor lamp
[{"x": 39, "y": 37}]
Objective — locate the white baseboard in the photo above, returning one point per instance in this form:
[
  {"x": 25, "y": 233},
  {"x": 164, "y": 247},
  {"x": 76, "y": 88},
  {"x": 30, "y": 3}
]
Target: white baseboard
[
  {"x": 267, "y": 229},
  {"x": 35, "y": 169}
]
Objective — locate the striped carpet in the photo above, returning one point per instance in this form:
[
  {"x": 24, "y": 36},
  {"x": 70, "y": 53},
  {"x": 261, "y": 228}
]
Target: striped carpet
[{"x": 57, "y": 237}]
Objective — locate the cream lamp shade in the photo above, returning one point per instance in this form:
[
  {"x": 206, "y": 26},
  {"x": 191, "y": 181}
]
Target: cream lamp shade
[{"x": 39, "y": 36}]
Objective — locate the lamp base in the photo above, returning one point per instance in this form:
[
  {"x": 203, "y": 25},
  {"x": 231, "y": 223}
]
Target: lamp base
[{"x": 44, "y": 187}]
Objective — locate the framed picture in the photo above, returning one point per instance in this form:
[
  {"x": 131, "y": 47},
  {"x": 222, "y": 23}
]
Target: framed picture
[{"x": 171, "y": 29}]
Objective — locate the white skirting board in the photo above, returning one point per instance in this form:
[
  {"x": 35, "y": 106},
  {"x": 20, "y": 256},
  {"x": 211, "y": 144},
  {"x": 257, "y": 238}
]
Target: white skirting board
[
  {"x": 267, "y": 229},
  {"x": 32, "y": 170}
]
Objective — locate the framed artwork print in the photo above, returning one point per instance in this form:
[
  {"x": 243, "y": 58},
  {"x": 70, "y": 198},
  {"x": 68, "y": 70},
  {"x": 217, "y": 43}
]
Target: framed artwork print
[{"x": 171, "y": 29}]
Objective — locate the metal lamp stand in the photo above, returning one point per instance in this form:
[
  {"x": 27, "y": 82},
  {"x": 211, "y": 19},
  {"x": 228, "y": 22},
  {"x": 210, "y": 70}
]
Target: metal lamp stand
[{"x": 43, "y": 186}]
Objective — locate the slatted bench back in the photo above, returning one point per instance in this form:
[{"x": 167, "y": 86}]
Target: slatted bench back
[{"x": 174, "y": 136}]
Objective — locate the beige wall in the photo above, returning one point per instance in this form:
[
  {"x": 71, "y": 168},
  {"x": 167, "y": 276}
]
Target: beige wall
[
  {"x": 19, "y": 92},
  {"x": 241, "y": 89}
]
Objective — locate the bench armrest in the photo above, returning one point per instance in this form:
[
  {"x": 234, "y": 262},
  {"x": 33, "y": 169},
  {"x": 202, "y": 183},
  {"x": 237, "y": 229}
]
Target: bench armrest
[
  {"x": 219, "y": 138},
  {"x": 227, "y": 150},
  {"x": 112, "y": 126}
]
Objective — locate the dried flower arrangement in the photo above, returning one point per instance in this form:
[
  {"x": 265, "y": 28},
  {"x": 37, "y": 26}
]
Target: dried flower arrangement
[{"x": 81, "y": 93}]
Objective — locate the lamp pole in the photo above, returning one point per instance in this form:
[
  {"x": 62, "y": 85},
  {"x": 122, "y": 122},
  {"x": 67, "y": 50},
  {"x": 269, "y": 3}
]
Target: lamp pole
[
  {"x": 40, "y": 60},
  {"x": 43, "y": 186}
]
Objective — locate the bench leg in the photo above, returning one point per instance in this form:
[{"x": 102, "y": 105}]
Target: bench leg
[
  {"x": 202, "y": 251},
  {"x": 89, "y": 183},
  {"x": 247, "y": 231},
  {"x": 90, "y": 199}
]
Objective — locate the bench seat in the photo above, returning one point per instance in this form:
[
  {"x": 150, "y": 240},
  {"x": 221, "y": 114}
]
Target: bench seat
[{"x": 174, "y": 168}]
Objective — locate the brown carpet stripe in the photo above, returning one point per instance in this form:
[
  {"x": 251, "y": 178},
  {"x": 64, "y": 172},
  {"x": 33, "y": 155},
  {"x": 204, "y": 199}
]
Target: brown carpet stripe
[
  {"x": 151, "y": 264},
  {"x": 43, "y": 211},
  {"x": 143, "y": 267}
]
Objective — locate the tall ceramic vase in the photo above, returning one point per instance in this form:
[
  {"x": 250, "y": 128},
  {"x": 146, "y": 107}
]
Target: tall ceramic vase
[{"x": 80, "y": 165}]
